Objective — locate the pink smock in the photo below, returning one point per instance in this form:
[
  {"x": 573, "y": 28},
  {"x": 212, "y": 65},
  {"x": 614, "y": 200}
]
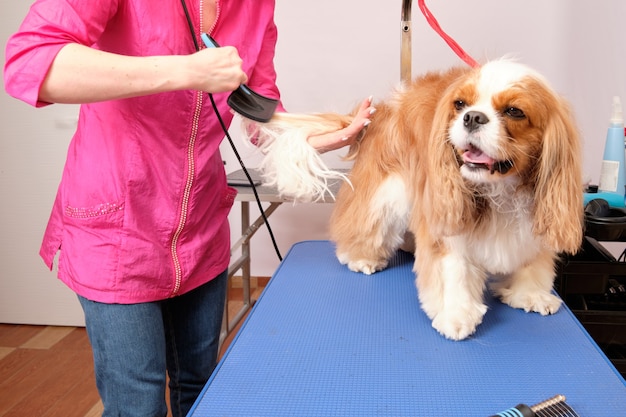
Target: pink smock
[{"x": 141, "y": 210}]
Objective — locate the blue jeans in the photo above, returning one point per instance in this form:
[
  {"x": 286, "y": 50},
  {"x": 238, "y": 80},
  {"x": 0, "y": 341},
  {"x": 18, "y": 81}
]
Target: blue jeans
[{"x": 134, "y": 345}]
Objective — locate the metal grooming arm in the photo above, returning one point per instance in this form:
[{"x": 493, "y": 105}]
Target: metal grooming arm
[{"x": 405, "y": 51}]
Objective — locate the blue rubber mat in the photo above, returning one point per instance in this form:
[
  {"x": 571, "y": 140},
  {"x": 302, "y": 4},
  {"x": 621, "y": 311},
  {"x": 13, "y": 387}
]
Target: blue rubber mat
[{"x": 324, "y": 341}]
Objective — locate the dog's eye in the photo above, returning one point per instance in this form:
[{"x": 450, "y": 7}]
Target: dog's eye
[
  {"x": 459, "y": 105},
  {"x": 515, "y": 113}
]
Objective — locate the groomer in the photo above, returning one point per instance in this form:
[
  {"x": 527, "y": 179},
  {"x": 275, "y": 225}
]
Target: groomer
[{"x": 140, "y": 217}]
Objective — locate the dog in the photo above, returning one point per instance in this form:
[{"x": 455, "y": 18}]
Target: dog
[{"x": 478, "y": 170}]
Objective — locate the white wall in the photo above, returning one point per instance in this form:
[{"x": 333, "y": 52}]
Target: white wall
[
  {"x": 330, "y": 56},
  {"x": 33, "y": 144}
]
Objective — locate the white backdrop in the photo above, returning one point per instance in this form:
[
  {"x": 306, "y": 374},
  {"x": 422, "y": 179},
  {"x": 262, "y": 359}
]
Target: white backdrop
[{"x": 330, "y": 56}]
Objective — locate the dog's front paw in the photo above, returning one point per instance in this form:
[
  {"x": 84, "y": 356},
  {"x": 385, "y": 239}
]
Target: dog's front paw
[
  {"x": 540, "y": 302},
  {"x": 365, "y": 266},
  {"x": 459, "y": 323}
]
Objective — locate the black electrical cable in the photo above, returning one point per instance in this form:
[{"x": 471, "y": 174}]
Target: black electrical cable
[
  {"x": 232, "y": 144},
  {"x": 245, "y": 171}
]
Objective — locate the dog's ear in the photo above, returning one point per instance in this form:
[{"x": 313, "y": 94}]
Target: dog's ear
[
  {"x": 450, "y": 204},
  {"x": 558, "y": 216}
]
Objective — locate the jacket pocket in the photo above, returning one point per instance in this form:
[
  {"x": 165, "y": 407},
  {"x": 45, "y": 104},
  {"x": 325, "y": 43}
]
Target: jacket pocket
[
  {"x": 93, "y": 211},
  {"x": 228, "y": 198}
]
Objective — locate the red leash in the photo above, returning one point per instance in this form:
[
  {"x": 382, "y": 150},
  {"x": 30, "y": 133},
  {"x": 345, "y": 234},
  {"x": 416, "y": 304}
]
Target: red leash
[{"x": 451, "y": 42}]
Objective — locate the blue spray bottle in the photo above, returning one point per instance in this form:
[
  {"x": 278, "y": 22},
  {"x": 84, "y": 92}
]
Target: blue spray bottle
[{"x": 613, "y": 172}]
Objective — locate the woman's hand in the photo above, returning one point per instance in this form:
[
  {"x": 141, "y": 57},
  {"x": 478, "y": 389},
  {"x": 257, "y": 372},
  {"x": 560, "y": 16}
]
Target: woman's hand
[
  {"x": 216, "y": 70},
  {"x": 346, "y": 136}
]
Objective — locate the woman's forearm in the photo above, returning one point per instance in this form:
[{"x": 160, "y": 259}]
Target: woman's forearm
[{"x": 80, "y": 74}]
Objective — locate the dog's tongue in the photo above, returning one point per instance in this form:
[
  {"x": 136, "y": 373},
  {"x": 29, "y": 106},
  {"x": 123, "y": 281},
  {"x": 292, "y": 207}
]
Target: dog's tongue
[{"x": 476, "y": 156}]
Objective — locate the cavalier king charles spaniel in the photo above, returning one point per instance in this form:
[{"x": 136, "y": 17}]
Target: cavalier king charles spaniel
[{"x": 478, "y": 170}]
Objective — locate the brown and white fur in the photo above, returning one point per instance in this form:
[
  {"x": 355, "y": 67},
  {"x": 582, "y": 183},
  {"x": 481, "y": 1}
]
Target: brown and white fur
[{"x": 482, "y": 168}]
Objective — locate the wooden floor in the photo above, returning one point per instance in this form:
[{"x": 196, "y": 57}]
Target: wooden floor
[{"x": 47, "y": 371}]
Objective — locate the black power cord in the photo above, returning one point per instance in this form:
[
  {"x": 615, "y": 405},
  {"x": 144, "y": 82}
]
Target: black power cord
[
  {"x": 232, "y": 144},
  {"x": 245, "y": 171}
]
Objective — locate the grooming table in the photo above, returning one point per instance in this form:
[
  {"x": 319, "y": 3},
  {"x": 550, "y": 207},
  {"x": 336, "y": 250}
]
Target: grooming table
[{"x": 325, "y": 341}]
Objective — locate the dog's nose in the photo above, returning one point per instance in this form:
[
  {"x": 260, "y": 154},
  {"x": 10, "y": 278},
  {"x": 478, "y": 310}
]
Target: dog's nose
[{"x": 473, "y": 119}]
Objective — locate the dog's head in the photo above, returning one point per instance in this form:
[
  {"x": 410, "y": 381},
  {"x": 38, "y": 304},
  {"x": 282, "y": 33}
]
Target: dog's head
[{"x": 503, "y": 123}]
